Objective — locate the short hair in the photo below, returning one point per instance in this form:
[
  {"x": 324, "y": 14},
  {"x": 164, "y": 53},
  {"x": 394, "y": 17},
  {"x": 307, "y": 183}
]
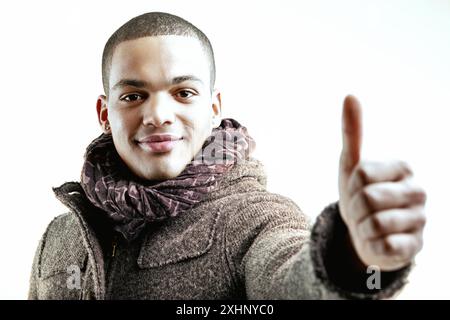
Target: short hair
[{"x": 154, "y": 24}]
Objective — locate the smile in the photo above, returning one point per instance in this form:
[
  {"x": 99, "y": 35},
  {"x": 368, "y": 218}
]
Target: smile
[{"x": 159, "y": 146}]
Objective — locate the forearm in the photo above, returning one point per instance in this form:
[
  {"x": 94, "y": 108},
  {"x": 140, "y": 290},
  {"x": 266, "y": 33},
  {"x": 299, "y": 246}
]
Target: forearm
[{"x": 295, "y": 265}]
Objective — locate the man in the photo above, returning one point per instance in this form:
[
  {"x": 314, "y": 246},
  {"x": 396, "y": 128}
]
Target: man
[{"x": 171, "y": 204}]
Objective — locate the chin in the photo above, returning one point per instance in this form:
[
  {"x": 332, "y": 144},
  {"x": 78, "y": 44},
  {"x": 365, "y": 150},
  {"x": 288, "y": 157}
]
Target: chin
[{"x": 163, "y": 172}]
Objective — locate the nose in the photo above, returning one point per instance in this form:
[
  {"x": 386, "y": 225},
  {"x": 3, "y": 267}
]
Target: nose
[{"x": 158, "y": 112}]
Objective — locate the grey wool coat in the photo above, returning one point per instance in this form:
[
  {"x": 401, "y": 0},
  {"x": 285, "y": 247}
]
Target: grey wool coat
[{"x": 241, "y": 242}]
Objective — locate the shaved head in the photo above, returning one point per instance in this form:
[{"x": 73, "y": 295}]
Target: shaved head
[{"x": 154, "y": 24}]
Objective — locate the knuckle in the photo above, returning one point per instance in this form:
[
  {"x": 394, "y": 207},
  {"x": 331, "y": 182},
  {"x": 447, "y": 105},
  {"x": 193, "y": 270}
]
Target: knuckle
[
  {"x": 421, "y": 194},
  {"x": 405, "y": 167},
  {"x": 421, "y": 219},
  {"x": 418, "y": 194},
  {"x": 413, "y": 191}
]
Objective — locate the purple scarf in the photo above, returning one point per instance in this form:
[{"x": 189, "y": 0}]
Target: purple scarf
[{"x": 131, "y": 203}]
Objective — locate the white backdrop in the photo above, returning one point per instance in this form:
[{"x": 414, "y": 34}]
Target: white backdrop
[{"x": 284, "y": 68}]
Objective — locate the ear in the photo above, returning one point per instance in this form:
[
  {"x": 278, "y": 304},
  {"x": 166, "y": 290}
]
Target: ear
[
  {"x": 102, "y": 113},
  {"x": 217, "y": 108}
]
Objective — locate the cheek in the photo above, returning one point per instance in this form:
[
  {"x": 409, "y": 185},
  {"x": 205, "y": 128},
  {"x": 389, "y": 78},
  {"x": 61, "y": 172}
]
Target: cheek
[
  {"x": 203, "y": 131},
  {"x": 123, "y": 122},
  {"x": 201, "y": 125}
]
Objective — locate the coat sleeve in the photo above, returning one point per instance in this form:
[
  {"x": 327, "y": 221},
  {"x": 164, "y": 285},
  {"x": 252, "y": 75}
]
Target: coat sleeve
[{"x": 275, "y": 254}]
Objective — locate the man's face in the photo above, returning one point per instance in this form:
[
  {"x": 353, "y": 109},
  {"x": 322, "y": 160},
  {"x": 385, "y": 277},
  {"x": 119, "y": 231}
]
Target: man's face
[{"x": 159, "y": 89}]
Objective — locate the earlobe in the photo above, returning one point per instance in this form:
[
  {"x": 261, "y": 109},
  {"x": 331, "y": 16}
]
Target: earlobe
[{"x": 217, "y": 108}]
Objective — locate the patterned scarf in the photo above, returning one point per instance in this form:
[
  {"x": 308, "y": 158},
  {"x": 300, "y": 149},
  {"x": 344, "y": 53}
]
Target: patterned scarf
[{"x": 131, "y": 203}]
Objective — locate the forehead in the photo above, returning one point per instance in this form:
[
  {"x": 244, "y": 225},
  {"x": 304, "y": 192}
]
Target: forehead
[{"x": 159, "y": 56}]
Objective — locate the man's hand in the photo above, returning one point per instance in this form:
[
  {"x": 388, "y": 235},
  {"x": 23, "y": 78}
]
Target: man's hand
[{"x": 381, "y": 206}]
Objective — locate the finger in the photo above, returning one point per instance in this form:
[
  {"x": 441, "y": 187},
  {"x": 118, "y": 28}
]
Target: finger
[
  {"x": 383, "y": 223},
  {"x": 351, "y": 134},
  {"x": 398, "y": 250},
  {"x": 367, "y": 172},
  {"x": 383, "y": 196}
]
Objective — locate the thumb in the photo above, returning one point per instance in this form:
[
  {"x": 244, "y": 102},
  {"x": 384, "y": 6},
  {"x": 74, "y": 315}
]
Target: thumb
[{"x": 351, "y": 134}]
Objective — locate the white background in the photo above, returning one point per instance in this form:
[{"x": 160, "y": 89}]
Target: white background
[{"x": 284, "y": 68}]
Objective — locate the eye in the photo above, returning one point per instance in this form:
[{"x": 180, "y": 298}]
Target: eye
[
  {"x": 185, "y": 94},
  {"x": 131, "y": 97}
]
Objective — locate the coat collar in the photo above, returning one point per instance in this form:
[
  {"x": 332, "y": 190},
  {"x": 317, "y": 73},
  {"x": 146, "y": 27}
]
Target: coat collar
[
  {"x": 161, "y": 246},
  {"x": 72, "y": 195}
]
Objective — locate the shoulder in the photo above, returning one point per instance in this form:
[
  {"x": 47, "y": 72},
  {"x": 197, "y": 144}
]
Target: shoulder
[
  {"x": 60, "y": 229},
  {"x": 265, "y": 201},
  {"x": 61, "y": 245},
  {"x": 264, "y": 210},
  {"x": 243, "y": 189},
  {"x": 62, "y": 223}
]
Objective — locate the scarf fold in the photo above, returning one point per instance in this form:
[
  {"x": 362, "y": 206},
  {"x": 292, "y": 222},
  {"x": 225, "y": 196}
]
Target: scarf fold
[{"x": 132, "y": 203}]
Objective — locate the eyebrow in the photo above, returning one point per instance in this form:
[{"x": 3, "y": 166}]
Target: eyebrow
[{"x": 141, "y": 83}]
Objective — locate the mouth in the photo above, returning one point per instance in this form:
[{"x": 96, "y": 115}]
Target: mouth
[{"x": 159, "y": 143}]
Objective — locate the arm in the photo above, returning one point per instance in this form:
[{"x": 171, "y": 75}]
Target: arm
[{"x": 275, "y": 255}]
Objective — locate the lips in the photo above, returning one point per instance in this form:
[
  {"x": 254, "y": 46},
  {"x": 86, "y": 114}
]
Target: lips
[{"x": 159, "y": 143}]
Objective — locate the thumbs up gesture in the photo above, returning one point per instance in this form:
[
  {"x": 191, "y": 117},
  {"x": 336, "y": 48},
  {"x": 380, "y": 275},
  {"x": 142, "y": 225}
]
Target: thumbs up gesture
[{"x": 378, "y": 201}]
